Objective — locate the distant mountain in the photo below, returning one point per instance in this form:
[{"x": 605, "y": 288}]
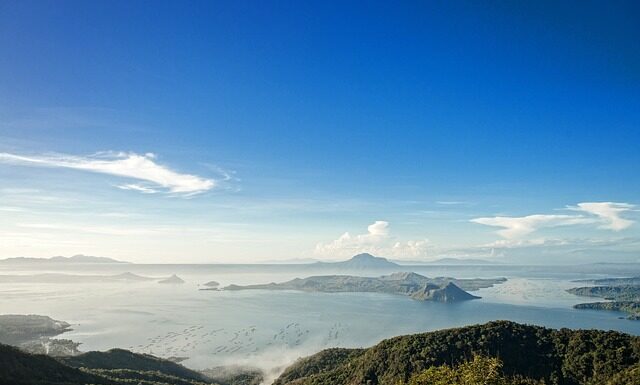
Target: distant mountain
[
  {"x": 360, "y": 262},
  {"x": 412, "y": 285},
  {"x": 73, "y": 259}
]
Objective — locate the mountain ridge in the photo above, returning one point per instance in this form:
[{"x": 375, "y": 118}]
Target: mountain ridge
[
  {"x": 360, "y": 261},
  {"x": 78, "y": 258}
]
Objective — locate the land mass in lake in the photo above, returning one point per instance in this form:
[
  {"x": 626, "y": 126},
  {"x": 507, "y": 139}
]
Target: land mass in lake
[
  {"x": 620, "y": 298},
  {"x": 630, "y": 281},
  {"x": 440, "y": 289},
  {"x": 33, "y": 333}
]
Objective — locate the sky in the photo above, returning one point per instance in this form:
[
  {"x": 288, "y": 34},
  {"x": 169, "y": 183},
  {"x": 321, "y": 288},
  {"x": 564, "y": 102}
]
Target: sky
[{"x": 240, "y": 132}]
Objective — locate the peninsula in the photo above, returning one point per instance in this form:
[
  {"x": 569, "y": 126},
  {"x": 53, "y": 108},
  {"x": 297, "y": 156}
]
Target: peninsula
[{"x": 624, "y": 298}]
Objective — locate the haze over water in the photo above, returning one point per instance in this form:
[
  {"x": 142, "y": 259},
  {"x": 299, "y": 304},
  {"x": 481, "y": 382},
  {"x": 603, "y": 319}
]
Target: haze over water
[{"x": 272, "y": 328}]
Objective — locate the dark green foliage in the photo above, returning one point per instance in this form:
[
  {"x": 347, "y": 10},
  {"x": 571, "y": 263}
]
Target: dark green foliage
[
  {"x": 326, "y": 360},
  {"x": 504, "y": 352},
  {"x": 140, "y": 377},
  {"x": 235, "y": 375},
  {"x": 124, "y": 359},
  {"x": 116, "y": 367},
  {"x": 18, "y": 368},
  {"x": 563, "y": 357},
  {"x": 630, "y": 376},
  {"x": 479, "y": 371}
]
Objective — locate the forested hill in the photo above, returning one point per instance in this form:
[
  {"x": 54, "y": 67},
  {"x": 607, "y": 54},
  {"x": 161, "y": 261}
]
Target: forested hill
[
  {"x": 116, "y": 367},
  {"x": 563, "y": 357}
]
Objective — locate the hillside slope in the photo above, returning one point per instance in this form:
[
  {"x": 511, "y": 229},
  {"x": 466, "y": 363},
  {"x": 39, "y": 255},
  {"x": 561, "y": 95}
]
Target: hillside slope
[{"x": 565, "y": 357}]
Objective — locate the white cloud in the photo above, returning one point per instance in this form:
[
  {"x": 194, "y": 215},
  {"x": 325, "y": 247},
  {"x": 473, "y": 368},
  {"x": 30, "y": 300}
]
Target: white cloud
[
  {"x": 12, "y": 209},
  {"x": 128, "y": 165},
  {"x": 608, "y": 212},
  {"x": 376, "y": 240},
  {"x": 347, "y": 243},
  {"x": 410, "y": 248},
  {"x": 137, "y": 187},
  {"x": 452, "y": 203},
  {"x": 515, "y": 227},
  {"x": 554, "y": 250}
]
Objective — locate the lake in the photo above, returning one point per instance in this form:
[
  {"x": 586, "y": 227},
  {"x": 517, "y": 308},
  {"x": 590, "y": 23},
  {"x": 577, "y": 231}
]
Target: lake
[{"x": 270, "y": 329}]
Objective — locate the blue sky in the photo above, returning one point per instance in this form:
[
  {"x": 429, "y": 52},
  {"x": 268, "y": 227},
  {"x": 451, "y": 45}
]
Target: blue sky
[{"x": 238, "y": 132}]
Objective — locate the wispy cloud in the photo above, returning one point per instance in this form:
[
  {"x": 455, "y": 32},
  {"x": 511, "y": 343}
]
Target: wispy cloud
[
  {"x": 151, "y": 176},
  {"x": 12, "y": 209},
  {"x": 452, "y": 203},
  {"x": 91, "y": 229},
  {"x": 137, "y": 187},
  {"x": 514, "y": 227},
  {"x": 376, "y": 240},
  {"x": 608, "y": 212}
]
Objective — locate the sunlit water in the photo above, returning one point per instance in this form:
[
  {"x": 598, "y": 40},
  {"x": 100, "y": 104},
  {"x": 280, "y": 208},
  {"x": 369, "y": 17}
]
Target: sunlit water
[{"x": 271, "y": 328}]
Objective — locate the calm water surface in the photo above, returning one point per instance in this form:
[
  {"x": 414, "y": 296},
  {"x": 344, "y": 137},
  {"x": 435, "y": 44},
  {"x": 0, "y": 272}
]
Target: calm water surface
[{"x": 272, "y": 328}]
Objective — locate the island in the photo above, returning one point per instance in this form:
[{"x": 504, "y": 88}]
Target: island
[
  {"x": 173, "y": 280},
  {"x": 211, "y": 285},
  {"x": 619, "y": 298},
  {"x": 416, "y": 286}
]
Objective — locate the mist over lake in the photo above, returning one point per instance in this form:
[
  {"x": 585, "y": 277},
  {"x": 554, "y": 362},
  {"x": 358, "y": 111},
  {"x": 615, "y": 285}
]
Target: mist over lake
[{"x": 271, "y": 329}]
